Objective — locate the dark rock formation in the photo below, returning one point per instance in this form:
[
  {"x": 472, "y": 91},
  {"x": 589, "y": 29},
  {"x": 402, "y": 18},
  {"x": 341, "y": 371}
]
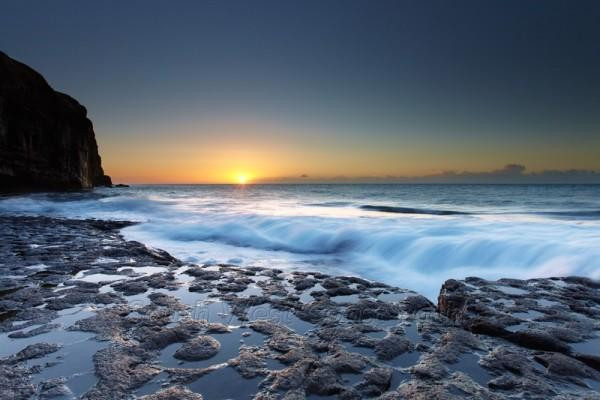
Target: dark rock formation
[
  {"x": 46, "y": 140},
  {"x": 496, "y": 340}
]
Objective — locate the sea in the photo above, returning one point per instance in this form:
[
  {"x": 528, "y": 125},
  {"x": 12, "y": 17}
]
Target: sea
[{"x": 411, "y": 236}]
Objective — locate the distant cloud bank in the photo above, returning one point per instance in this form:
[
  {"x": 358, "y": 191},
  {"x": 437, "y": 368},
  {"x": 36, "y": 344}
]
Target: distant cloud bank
[{"x": 511, "y": 173}]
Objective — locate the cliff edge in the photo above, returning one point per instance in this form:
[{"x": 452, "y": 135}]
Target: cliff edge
[{"x": 46, "y": 140}]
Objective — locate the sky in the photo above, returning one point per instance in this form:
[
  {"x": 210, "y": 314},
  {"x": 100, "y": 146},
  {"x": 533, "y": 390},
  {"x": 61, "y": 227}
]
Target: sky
[{"x": 210, "y": 91}]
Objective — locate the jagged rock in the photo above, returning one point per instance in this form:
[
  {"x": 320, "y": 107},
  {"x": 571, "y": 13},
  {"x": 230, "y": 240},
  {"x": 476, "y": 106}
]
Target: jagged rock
[
  {"x": 33, "y": 332},
  {"x": 250, "y": 362},
  {"x": 413, "y": 304},
  {"x": 563, "y": 365},
  {"x": 199, "y": 348},
  {"x": 391, "y": 346},
  {"x": 538, "y": 340},
  {"x": 323, "y": 381},
  {"x": 471, "y": 351},
  {"x": 15, "y": 383},
  {"x": 376, "y": 382},
  {"x": 46, "y": 139},
  {"x": 36, "y": 350},
  {"x": 346, "y": 362},
  {"x": 173, "y": 393},
  {"x": 55, "y": 388},
  {"x": 120, "y": 369},
  {"x": 366, "y": 309}
]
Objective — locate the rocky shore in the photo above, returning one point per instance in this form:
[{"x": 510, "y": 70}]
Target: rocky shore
[{"x": 85, "y": 313}]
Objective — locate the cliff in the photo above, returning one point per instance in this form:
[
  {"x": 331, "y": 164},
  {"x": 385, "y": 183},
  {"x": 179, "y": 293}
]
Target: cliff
[{"x": 46, "y": 140}]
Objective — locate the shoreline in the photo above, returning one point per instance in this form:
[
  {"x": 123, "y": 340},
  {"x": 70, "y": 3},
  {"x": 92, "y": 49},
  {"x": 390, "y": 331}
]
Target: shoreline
[{"x": 147, "y": 322}]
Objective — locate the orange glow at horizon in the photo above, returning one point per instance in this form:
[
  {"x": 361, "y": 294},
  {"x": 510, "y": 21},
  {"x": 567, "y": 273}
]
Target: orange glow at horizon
[
  {"x": 252, "y": 152},
  {"x": 242, "y": 179}
]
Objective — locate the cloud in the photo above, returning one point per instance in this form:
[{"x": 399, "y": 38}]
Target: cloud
[{"x": 509, "y": 174}]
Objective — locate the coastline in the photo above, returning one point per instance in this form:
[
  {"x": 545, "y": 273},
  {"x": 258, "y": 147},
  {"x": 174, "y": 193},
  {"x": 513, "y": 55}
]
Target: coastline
[{"x": 143, "y": 322}]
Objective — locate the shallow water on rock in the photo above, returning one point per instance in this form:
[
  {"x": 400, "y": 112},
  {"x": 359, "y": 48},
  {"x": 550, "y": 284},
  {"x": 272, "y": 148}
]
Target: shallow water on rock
[
  {"x": 147, "y": 270},
  {"x": 74, "y": 361},
  {"x": 225, "y": 383},
  {"x": 590, "y": 346},
  {"x": 230, "y": 344},
  {"x": 407, "y": 359},
  {"x": 512, "y": 290},
  {"x": 153, "y": 385},
  {"x": 58, "y": 335},
  {"x": 98, "y": 278},
  {"x": 284, "y": 317},
  {"x": 469, "y": 364}
]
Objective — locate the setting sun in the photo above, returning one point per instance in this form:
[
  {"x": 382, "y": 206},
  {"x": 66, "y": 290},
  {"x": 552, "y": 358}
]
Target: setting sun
[{"x": 242, "y": 179}]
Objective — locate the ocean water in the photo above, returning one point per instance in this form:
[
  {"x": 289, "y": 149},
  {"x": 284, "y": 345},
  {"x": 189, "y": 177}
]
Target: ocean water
[{"x": 412, "y": 236}]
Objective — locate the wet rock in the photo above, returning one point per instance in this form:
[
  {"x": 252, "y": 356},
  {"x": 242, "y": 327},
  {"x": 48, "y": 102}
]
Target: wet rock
[
  {"x": 36, "y": 350},
  {"x": 199, "y": 348},
  {"x": 33, "y": 332},
  {"x": 120, "y": 369},
  {"x": 268, "y": 327},
  {"x": 216, "y": 327},
  {"x": 54, "y": 388},
  {"x": 504, "y": 382},
  {"x": 391, "y": 346},
  {"x": 15, "y": 383},
  {"x": 323, "y": 381},
  {"x": 561, "y": 364},
  {"x": 430, "y": 367},
  {"x": 455, "y": 342},
  {"x": 203, "y": 274},
  {"x": 503, "y": 359},
  {"x": 153, "y": 337},
  {"x": 538, "y": 340},
  {"x": 375, "y": 382},
  {"x": 108, "y": 323},
  {"x": 251, "y": 362},
  {"x": 468, "y": 351},
  {"x": 304, "y": 283},
  {"x": 345, "y": 362},
  {"x": 173, "y": 393},
  {"x": 188, "y": 375},
  {"x": 413, "y": 304},
  {"x": 366, "y": 309},
  {"x": 458, "y": 386},
  {"x": 130, "y": 288}
]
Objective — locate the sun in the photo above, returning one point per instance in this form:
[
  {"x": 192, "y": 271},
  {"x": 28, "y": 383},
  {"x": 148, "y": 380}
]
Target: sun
[{"x": 242, "y": 179}]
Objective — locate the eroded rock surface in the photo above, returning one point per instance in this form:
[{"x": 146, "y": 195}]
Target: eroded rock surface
[{"x": 138, "y": 323}]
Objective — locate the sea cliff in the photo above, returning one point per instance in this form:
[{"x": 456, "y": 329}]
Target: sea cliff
[{"x": 46, "y": 140}]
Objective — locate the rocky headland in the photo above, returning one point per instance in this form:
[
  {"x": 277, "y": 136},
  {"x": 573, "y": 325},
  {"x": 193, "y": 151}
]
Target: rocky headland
[
  {"x": 85, "y": 313},
  {"x": 46, "y": 140}
]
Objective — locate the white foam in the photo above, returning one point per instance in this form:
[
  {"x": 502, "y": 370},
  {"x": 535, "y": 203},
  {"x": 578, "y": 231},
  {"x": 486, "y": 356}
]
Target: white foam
[{"x": 276, "y": 230}]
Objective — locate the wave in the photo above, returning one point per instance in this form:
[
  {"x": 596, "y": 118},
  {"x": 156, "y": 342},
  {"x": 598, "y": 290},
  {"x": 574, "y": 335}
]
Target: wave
[
  {"x": 571, "y": 214},
  {"x": 416, "y": 253},
  {"x": 330, "y": 204},
  {"x": 409, "y": 210}
]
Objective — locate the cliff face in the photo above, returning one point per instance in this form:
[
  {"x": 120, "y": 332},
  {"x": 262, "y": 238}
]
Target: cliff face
[{"x": 46, "y": 140}]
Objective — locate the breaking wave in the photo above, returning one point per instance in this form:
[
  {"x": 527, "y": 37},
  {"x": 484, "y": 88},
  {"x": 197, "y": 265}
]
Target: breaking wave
[
  {"x": 407, "y": 210},
  {"x": 412, "y": 247}
]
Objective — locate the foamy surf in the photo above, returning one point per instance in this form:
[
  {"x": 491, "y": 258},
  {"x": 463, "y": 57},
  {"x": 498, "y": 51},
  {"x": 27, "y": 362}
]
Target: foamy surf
[{"x": 490, "y": 231}]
